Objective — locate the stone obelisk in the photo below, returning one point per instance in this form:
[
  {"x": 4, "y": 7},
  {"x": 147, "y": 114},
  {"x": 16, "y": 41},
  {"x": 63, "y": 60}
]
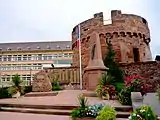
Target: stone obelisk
[{"x": 96, "y": 67}]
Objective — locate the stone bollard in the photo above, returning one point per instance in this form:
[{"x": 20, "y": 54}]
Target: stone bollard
[{"x": 137, "y": 99}]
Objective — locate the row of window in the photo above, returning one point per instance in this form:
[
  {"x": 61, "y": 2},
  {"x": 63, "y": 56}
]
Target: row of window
[
  {"x": 23, "y": 77},
  {"x": 34, "y": 57},
  {"x": 21, "y": 67}
]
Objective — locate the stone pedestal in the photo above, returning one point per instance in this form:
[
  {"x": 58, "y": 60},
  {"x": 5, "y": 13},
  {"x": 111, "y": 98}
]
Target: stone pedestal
[
  {"x": 93, "y": 77},
  {"x": 95, "y": 68}
]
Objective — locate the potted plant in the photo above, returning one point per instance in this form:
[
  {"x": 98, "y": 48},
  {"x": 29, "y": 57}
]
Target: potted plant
[
  {"x": 80, "y": 112},
  {"x": 107, "y": 113},
  {"x": 16, "y": 89},
  {"x": 105, "y": 90},
  {"x": 133, "y": 83},
  {"x": 84, "y": 111},
  {"x": 143, "y": 113}
]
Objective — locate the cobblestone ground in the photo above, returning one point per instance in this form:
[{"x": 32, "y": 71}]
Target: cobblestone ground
[{"x": 26, "y": 116}]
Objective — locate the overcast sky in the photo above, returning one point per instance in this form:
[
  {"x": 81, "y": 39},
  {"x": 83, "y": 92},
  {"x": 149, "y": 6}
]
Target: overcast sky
[{"x": 45, "y": 20}]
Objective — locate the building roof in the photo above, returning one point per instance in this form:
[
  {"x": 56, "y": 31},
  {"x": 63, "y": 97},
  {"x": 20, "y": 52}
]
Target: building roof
[{"x": 51, "y": 45}]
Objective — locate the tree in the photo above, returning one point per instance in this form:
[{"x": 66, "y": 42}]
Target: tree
[
  {"x": 109, "y": 62},
  {"x": 16, "y": 85}
]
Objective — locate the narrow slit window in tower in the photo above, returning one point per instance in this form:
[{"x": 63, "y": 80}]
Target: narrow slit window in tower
[{"x": 136, "y": 54}]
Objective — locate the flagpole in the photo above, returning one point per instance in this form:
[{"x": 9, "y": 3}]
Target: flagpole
[{"x": 80, "y": 58}]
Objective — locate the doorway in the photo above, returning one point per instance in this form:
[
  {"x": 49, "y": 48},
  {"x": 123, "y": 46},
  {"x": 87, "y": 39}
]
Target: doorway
[{"x": 136, "y": 54}]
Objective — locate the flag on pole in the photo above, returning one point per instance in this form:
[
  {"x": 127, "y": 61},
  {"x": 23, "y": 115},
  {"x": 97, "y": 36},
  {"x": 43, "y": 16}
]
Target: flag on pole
[
  {"x": 78, "y": 42},
  {"x": 78, "y": 39}
]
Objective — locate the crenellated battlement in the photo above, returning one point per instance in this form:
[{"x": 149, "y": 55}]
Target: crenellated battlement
[{"x": 127, "y": 31}]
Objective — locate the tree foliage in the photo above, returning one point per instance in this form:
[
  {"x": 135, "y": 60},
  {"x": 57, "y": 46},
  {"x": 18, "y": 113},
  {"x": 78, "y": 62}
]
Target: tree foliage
[{"x": 110, "y": 62}]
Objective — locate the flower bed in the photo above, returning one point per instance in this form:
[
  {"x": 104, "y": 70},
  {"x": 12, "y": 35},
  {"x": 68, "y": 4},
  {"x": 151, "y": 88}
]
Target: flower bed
[
  {"x": 91, "y": 112},
  {"x": 134, "y": 83},
  {"x": 105, "y": 90},
  {"x": 143, "y": 113}
]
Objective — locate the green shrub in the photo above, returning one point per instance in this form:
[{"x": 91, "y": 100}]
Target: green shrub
[
  {"x": 106, "y": 79},
  {"x": 118, "y": 86},
  {"x": 27, "y": 89},
  {"x": 4, "y": 93},
  {"x": 107, "y": 113},
  {"x": 79, "y": 113},
  {"x": 158, "y": 93},
  {"x": 124, "y": 96},
  {"x": 105, "y": 89},
  {"x": 16, "y": 85},
  {"x": 56, "y": 85},
  {"x": 143, "y": 113},
  {"x": 82, "y": 109},
  {"x": 109, "y": 61}
]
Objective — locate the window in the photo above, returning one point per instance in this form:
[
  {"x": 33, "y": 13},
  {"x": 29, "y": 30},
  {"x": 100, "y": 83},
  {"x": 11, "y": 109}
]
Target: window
[
  {"x": 44, "y": 57},
  {"x": 19, "y": 48},
  {"x": 9, "y": 57},
  {"x": 29, "y": 57},
  {"x": 63, "y": 61},
  {"x": 28, "y": 78},
  {"x": 8, "y": 77},
  {"x": 4, "y": 58},
  {"x": 136, "y": 54},
  {"x": 24, "y": 57},
  {"x": 54, "y": 55},
  {"x": 34, "y": 57},
  {"x": 15, "y": 58},
  {"x": 49, "y": 57},
  {"x": 38, "y": 47},
  {"x": 66, "y": 55},
  {"x": 3, "y": 78},
  {"x": 19, "y": 57},
  {"x": 60, "y": 55},
  {"x": 70, "y": 54},
  {"x": 48, "y": 47},
  {"x": 40, "y": 57}
]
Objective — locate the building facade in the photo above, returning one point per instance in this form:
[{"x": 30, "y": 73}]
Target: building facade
[
  {"x": 28, "y": 58},
  {"x": 128, "y": 33}
]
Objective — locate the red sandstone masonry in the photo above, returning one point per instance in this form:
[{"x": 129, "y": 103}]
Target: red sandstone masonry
[
  {"x": 150, "y": 70},
  {"x": 126, "y": 32}
]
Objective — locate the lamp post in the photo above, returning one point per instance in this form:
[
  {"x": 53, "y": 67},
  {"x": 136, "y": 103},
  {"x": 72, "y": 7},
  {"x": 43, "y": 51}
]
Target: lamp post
[
  {"x": 1, "y": 68},
  {"x": 31, "y": 77}
]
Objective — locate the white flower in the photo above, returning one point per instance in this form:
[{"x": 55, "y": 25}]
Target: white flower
[
  {"x": 129, "y": 117},
  {"x": 134, "y": 114}
]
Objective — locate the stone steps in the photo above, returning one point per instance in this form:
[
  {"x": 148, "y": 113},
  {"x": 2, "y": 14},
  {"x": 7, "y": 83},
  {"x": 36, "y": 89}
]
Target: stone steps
[
  {"x": 33, "y": 106},
  {"x": 37, "y": 111},
  {"x": 122, "y": 111},
  {"x": 40, "y": 94}
]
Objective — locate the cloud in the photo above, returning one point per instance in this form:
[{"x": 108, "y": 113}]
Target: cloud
[{"x": 35, "y": 20}]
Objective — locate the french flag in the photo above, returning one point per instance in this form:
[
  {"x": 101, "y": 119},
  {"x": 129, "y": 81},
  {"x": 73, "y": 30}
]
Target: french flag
[
  {"x": 78, "y": 42},
  {"x": 78, "y": 34}
]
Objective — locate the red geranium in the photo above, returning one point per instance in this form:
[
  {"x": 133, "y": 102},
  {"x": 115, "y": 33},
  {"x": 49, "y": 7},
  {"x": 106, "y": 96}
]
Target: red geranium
[{"x": 137, "y": 83}]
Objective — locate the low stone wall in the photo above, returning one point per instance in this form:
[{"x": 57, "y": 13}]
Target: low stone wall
[
  {"x": 68, "y": 77},
  {"x": 64, "y": 75},
  {"x": 150, "y": 70}
]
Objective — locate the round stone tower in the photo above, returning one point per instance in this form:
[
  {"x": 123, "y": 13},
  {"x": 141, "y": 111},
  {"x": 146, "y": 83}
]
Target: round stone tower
[{"x": 128, "y": 33}]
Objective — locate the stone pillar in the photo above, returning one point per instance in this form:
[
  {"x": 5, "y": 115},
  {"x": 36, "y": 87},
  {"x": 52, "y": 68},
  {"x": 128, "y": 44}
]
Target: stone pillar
[{"x": 96, "y": 67}]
